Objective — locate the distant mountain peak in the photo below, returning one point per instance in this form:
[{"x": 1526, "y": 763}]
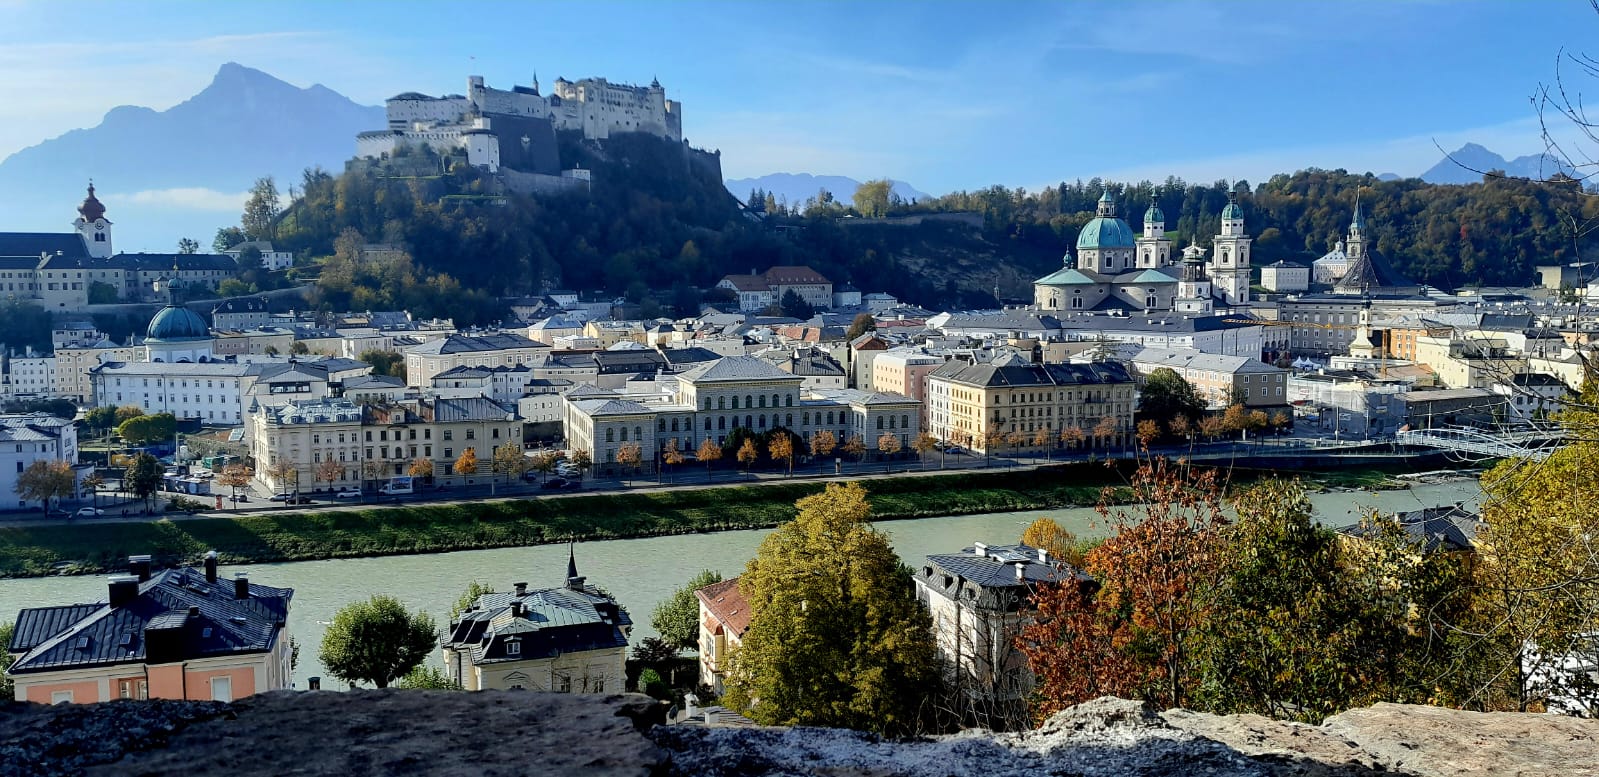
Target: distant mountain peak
[{"x": 1468, "y": 163}]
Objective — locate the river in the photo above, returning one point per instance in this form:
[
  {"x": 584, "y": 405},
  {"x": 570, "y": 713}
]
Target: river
[{"x": 639, "y": 572}]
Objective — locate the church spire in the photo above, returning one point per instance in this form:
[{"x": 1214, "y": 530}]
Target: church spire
[{"x": 571, "y": 561}]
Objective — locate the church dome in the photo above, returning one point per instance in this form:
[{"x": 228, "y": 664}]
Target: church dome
[
  {"x": 177, "y": 324},
  {"x": 1153, "y": 215},
  {"x": 1105, "y": 232},
  {"x": 91, "y": 210},
  {"x": 1232, "y": 212}
]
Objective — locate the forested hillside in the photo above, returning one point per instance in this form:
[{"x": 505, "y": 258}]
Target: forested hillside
[{"x": 658, "y": 227}]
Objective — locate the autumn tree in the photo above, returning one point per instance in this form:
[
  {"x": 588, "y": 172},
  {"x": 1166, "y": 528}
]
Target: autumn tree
[
  {"x": 872, "y": 198},
  {"x": 1045, "y": 533},
  {"x": 888, "y": 443},
  {"x": 1105, "y": 431},
  {"x": 259, "y": 221},
  {"x": 1166, "y": 395},
  {"x": 781, "y": 448},
  {"x": 924, "y": 443},
  {"x": 862, "y": 323},
  {"x": 1136, "y": 635},
  {"x": 708, "y": 453},
  {"x": 677, "y": 618},
  {"x": 420, "y": 468},
  {"x": 629, "y": 457},
  {"x": 92, "y": 483},
  {"x": 747, "y": 454},
  {"x": 466, "y": 463},
  {"x": 285, "y": 475},
  {"x": 835, "y": 637},
  {"x": 671, "y": 456},
  {"x": 582, "y": 460},
  {"x": 235, "y": 476},
  {"x": 1180, "y": 427},
  {"x": 1071, "y": 436},
  {"x": 1211, "y": 427},
  {"x": 823, "y": 443},
  {"x": 127, "y": 412},
  {"x": 46, "y": 481},
  {"x": 1235, "y": 420},
  {"x": 146, "y": 429},
  {"x": 855, "y": 446},
  {"x": 509, "y": 461},
  {"x": 327, "y": 471},
  {"x": 1148, "y": 432}
]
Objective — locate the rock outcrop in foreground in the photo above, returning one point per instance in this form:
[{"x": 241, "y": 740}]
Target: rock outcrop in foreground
[{"x": 520, "y": 733}]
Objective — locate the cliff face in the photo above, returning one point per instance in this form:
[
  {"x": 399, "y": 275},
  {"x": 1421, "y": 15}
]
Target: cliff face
[{"x": 517, "y": 733}]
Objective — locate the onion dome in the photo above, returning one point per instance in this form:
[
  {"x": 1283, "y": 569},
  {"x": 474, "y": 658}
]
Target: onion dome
[
  {"x": 91, "y": 209},
  {"x": 1154, "y": 215}
]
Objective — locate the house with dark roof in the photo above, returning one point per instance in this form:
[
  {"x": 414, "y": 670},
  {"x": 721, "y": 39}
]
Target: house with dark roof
[
  {"x": 170, "y": 634},
  {"x": 1443, "y": 529},
  {"x": 571, "y": 639},
  {"x": 979, "y": 599},
  {"x": 724, "y": 617}
]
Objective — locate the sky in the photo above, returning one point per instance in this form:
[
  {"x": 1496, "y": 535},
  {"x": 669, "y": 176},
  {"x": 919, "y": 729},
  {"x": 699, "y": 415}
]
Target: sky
[{"x": 943, "y": 95}]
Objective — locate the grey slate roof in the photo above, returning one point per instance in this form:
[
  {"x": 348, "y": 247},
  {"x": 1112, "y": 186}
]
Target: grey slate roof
[
  {"x": 1446, "y": 528},
  {"x": 459, "y": 343},
  {"x": 734, "y": 368},
  {"x": 223, "y": 625},
  {"x": 553, "y": 622},
  {"x": 1011, "y": 374},
  {"x": 29, "y": 245},
  {"x": 993, "y": 573},
  {"x": 470, "y": 409}
]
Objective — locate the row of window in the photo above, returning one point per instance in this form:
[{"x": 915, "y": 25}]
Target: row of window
[{"x": 751, "y": 402}]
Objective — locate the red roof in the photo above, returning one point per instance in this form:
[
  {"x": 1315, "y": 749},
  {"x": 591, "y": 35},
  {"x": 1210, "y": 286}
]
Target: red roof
[
  {"x": 747, "y": 282},
  {"x": 726, "y": 605},
  {"x": 792, "y": 274}
]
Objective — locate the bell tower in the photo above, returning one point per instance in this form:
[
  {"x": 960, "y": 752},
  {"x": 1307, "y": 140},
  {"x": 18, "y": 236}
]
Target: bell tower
[
  {"x": 1154, "y": 248},
  {"x": 1193, "y": 288},
  {"x": 92, "y": 225},
  {"x": 1229, "y": 259}
]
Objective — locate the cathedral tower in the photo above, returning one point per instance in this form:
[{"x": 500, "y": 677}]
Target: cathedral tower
[
  {"x": 1154, "y": 249},
  {"x": 1229, "y": 263},
  {"x": 1193, "y": 288},
  {"x": 92, "y": 225}
]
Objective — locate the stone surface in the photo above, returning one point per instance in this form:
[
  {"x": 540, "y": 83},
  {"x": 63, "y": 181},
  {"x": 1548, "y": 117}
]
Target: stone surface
[{"x": 523, "y": 733}]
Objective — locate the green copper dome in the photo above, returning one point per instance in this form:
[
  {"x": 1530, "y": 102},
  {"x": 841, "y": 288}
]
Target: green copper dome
[
  {"x": 175, "y": 324},
  {"x": 1105, "y": 232},
  {"x": 1153, "y": 215}
]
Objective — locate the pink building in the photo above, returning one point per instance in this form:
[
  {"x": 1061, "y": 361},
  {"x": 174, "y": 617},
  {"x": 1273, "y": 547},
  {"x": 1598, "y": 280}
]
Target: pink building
[
  {"x": 173, "y": 634},
  {"x": 905, "y": 371}
]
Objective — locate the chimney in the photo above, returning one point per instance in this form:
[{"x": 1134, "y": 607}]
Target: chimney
[
  {"x": 1021, "y": 571},
  {"x": 521, "y": 589},
  {"x": 516, "y": 609},
  {"x": 241, "y": 585},
  {"x": 124, "y": 589},
  {"x": 979, "y": 549},
  {"x": 1043, "y": 556},
  {"x": 194, "y": 612},
  {"x": 211, "y": 566},
  {"x": 139, "y": 566},
  {"x": 313, "y": 683}
]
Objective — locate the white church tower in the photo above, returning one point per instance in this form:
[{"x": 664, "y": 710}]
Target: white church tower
[
  {"x": 1193, "y": 287},
  {"x": 91, "y": 224},
  {"x": 1229, "y": 261},
  {"x": 1355, "y": 246},
  {"x": 1154, "y": 248}
]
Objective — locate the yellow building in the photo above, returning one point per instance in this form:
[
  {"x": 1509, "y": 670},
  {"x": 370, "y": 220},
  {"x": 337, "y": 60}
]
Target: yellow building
[{"x": 984, "y": 405}]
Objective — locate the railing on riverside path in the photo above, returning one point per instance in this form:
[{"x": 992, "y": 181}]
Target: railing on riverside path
[{"x": 1535, "y": 445}]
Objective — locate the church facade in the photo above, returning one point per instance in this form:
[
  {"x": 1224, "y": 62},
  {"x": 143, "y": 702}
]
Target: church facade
[{"x": 1115, "y": 269}]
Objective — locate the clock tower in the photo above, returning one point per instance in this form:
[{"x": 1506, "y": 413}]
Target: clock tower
[{"x": 92, "y": 225}]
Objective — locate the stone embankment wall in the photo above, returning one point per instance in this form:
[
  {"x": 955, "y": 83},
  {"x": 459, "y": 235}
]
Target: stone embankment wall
[{"x": 523, "y": 733}]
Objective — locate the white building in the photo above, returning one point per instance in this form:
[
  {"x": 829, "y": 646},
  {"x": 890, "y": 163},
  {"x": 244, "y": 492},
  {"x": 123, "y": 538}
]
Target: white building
[
  {"x": 270, "y": 259},
  {"x": 27, "y": 438},
  {"x": 1532, "y": 397},
  {"x": 304, "y": 434},
  {"x": 424, "y": 361},
  {"x": 1285, "y": 276},
  {"x": 211, "y": 392},
  {"x": 32, "y": 376}
]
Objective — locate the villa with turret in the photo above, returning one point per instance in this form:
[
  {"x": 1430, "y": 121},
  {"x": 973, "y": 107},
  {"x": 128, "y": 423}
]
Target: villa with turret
[{"x": 1117, "y": 270}]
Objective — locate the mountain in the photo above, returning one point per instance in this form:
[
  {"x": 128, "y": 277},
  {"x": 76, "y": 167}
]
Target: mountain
[
  {"x": 1469, "y": 162},
  {"x": 180, "y": 172},
  {"x": 797, "y": 187}
]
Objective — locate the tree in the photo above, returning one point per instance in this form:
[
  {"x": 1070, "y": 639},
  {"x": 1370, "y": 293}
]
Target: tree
[
  {"x": 677, "y": 618},
  {"x": 889, "y": 444},
  {"x": 1257, "y": 421},
  {"x": 92, "y": 483},
  {"x": 259, "y": 221},
  {"x": 582, "y": 460},
  {"x": 376, "y": 641},
  {"x": 100, "y": 418},
  {"x": 1236, "y": 419},
  {"x": 188, "y": 245},
  {"x": 872, "y": 198},
  {"x": 143, "y": 477},
  {"x": 6, "y": 690},
  {"x": 390, "y": 363},
  {"x": 671, "y": 456},
  {"x": 509, "y": 461},
  {"x": 856, "y": 447},
  {"x": 795, "y": 306},
  {"x": 102, "y": 293},
  {"x": 1136, "y": 635},
  {"x": 823, "y": 443},
  {"x": 544, "y": 463},
  {"x": 285, "y": 474},
  {"x": 227, "y": 237},
  {"x": 327, "y": 472},
  {"x": 923, "y": 443},
  {"x": 630, "y": 456},
  {"x": 44, "y": 481},
  {"x": 708, "y": 453},
  {"x": 835, "y": 637},
  {"x": 1211, "y": 427},
  {"x": 1148, "y": 432},
  {"x": 1281, "y": 420},
  {"x": 466, "y": 463},
  {"x": 862, "y": 324},
  {"x": 468, "y": 598},
  {"x": 1105, "y": 431},
  {"x": 299, "y": 348},
  {"x": 235, "y": 477},
  {"x": 1071, "y": 436},
  {"x": 371, "y": 469},
  {"x": 781, "y": 448},
  {"x": 428, "y": 678},
  {"x": 1047, "y": 534},
  {"x": 1166, "y": 395},
  {"x": 147, "y": 429},
  {"x": 127, "y": 412},
  {"x": 1180, "y": 427},
  {"x": 420, "y": 468},
  {"x": 650, "y": 683},
  {"x": 747, "y": 454}
]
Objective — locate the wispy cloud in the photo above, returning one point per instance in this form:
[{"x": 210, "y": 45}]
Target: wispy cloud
[{"x": 184, "y": 198}]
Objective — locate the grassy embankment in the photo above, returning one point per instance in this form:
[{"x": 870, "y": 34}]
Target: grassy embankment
[{"x": 294, "y": 536}]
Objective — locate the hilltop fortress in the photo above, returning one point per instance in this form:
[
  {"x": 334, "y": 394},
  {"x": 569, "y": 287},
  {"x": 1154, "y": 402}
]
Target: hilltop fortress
[{"x": 516, "y": 129}]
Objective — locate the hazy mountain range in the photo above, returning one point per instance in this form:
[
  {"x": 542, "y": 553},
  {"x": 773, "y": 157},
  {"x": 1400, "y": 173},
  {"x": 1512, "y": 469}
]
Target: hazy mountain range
[
  {"x": 798, "y": 187},
  {"x": 1467, "y": 164},
  {"x": 181, "y": 172}
]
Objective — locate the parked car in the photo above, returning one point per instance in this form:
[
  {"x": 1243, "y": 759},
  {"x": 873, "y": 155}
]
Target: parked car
[
  {"x": 280, "y": 497},
  {"x": 292, "y": 499},
  {"x": 240, "y": 498},
  {"x": 89, "y": 512},
  {"x": 348, "y": 494},
  {"x": 554, "y": 483}
]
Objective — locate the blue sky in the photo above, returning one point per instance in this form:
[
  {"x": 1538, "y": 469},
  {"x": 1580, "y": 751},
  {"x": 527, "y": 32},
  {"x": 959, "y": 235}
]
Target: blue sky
[{"x": 943, "y": 95}]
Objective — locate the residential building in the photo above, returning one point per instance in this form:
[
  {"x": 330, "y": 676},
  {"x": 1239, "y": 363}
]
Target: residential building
[
  {"x": 29, "y": 437},
  {"x": 232, "y": 315},
  {"x": 271, "y": 259},
  {"x": 571, "y": 639},
  {"x": 32, "y": 375},
  {"x": 74, "y": 360},
  {"x": 751, "y": 290},
  {"x": 724, "y": 617},
  {"x": 437, "y": 430},
  {"x": 211, "y": 392},
  {"x": 979, "y": 599},
  {"x": 978, "y": 404},
  {"x": 547, "y": 330},
  {"x": 372, "y": 388},
  {"x": 819, "y": 370},
  {"x": 759, "y": 292},
  {"x": 1531, "y": 398},
  {"x": 905, "y": 371},
  {"x": 541, "y": 403},
  {"x": 302, "y": 434},
  {"x": 174, "y": 634},
  {"x": 1221, "y": 380},
  {"x": 424, "y": 361},
  {"x": 1285, "y": 276}
]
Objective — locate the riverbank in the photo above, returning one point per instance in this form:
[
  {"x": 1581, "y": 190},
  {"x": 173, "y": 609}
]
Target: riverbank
[{"x": 88, "y": 547}]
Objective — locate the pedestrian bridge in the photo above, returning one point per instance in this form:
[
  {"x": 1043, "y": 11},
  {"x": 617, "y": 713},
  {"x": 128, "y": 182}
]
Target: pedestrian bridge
[{"x": 1535, "y": 445}]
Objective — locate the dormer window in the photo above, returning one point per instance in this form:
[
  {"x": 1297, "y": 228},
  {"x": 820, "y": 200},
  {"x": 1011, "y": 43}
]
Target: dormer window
[{"x": 513, "y": 647}]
